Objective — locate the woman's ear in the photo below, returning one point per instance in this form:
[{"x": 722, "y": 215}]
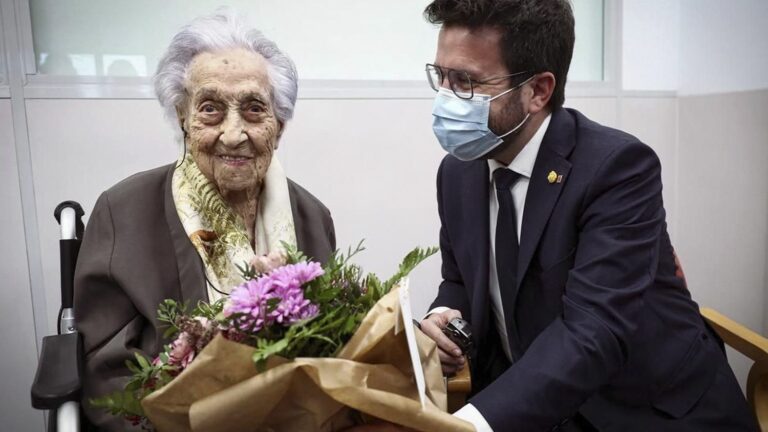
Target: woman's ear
[
  {"x": 280, "y": 129},
  {"x": 181, "y": 116},
  {"x": 543, "y": 85}
]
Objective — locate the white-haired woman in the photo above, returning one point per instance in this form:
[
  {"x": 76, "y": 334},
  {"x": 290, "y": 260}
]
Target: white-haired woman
[{"x": 179, "y": 231}]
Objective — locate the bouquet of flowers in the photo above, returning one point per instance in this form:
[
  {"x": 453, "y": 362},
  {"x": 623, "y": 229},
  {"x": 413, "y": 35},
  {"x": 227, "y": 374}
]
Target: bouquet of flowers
[{"x": 298, "y": 346}]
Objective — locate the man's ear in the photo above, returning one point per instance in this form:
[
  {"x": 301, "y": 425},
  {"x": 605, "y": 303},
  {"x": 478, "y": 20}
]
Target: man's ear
[{"x": 543, "y": 86}]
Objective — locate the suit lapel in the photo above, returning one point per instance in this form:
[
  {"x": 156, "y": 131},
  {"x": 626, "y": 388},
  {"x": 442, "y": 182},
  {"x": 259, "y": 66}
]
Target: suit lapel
[
  {"x": 539, "y": 203},
  {"x": 188, "y": 262},
  {"x": 302, "y": 243},
  {"x": 543, "y": 193}
]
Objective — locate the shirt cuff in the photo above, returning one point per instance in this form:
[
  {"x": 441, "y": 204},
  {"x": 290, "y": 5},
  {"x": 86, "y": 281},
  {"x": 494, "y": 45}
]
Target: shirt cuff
[
  {"x": 470, "y": 414},
  {"x": 439, "y": 309}
]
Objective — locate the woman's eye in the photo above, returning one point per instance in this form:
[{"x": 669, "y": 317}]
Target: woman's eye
[
  {"x": 208, "y": 109},
  {"x": 255, "y": 109}
]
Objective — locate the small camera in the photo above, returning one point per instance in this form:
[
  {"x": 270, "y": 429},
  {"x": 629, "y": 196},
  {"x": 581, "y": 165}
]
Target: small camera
[{"x": 460, "y": 333}]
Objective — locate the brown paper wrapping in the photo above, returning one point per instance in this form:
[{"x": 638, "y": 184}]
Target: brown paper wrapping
[{"x": 222, "y": 391}]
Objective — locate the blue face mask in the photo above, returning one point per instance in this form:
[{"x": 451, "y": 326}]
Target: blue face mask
[{"x": 461, "y": 125}]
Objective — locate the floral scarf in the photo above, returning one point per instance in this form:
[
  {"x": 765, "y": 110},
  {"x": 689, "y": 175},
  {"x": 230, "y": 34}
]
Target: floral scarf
[{"x": 219, "y": 235}]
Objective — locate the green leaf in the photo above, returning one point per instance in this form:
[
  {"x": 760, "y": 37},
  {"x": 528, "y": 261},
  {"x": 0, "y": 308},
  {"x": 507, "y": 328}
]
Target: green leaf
[
  {"x": 143, "y": 362},
  {"x": 132, "y": 367},
  {"x": 262, "y": 353}
]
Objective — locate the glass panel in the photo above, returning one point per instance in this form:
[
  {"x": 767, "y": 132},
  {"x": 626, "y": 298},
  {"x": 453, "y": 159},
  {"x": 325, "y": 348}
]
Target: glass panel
[
  {"x": 588, "y": 53},
  {"x": 2, "y": 61},
  {"x": 330, "y": 39}
]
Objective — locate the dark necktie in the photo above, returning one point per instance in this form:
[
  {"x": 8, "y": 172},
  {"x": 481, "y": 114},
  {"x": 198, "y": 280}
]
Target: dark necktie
[{"x": 506, "y": 239}]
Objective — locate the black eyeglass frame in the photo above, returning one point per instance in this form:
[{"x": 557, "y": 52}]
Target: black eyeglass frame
[{"x": 451, "y": 75}]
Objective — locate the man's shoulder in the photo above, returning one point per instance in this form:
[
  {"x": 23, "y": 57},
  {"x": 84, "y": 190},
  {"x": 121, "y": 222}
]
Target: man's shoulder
[
  {"x": 596, "y": 143},
  {"x": 594, "y": 137}
]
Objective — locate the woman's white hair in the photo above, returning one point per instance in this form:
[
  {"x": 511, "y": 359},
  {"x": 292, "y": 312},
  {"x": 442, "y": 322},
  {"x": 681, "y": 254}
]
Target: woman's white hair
[{"x": 220, "y": 31}]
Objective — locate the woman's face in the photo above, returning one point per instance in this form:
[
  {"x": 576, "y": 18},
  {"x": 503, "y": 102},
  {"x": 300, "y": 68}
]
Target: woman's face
[{"x": 229, "y": 119}]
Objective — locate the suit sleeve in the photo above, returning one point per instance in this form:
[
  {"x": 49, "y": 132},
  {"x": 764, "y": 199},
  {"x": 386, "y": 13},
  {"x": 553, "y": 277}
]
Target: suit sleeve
[
  {"x": 330, "y": 231},
  {"x": 617, "y": 254},
  {"x": 451, "y": 292},
  {"x": 105, "y": 316}
]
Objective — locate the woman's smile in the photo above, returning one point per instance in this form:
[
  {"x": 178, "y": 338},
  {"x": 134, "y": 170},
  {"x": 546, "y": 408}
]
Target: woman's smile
[{"x": 234, "y": 160}]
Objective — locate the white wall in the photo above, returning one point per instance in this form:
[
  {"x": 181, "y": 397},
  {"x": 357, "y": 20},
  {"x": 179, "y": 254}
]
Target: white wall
[
  {"x": 651, "y": 45},
  {"x": 723, "y": 143},
  {"x": 17, "y": 330},
  {"x": 72, "y": 159},
  {"x": 723, "y": 204},
  {"x": 723, "y": 46},
  {"x": 695, "y": 46}
]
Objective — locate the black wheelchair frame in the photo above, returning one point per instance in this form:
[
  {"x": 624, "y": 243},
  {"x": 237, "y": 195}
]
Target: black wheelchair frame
[{"x": 57, "y": 386}]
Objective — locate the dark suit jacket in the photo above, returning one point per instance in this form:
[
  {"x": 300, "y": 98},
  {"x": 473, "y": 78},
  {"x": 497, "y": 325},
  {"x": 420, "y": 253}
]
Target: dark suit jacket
[
  {"x": 135, "y": 254},
  {"x": 599, "y": 323}
]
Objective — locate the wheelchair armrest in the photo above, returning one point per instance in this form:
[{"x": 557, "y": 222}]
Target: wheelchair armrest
[{"x": 58, "y": 378}]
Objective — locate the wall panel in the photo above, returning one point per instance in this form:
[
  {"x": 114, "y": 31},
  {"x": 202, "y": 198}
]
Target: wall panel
[
  {"x": 80, "y": 148},
  {"x": 18, "y": 361},
  {"x": 372, "y": 162},
  {"x": 723, "y": 204}
]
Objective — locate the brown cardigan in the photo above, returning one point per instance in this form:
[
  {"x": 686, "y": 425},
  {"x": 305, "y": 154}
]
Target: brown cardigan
[{"x": 135, "y": 254}]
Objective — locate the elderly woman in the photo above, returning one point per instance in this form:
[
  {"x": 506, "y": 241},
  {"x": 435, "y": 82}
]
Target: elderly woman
[{"x": 179, "y": 231}]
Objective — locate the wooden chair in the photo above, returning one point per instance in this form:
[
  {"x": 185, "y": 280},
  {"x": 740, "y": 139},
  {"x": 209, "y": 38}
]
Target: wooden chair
[
  {"x": 753, "y": 346},
  {"x": 459, "y": 387}
]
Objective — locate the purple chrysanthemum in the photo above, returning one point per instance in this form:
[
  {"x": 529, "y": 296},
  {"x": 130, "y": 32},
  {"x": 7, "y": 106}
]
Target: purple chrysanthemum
[{"x": 253, "y": 304}]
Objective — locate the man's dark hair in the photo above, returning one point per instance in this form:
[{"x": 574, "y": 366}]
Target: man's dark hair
[{"x": 537, "y": 35}]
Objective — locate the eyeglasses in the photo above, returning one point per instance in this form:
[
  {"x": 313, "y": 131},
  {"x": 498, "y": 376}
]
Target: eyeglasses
[{"x": 461, "y": 84}]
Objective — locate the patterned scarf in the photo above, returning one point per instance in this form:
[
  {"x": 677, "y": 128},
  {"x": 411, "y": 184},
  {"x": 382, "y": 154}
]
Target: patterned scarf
[{"x": 219, "y": 235}]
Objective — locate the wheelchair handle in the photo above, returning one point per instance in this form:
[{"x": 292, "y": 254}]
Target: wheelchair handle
[{"x": 69, "y": 215}]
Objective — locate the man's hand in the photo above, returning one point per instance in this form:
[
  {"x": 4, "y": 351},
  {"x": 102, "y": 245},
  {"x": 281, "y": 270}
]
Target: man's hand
[{"x": 451, "y": 357}]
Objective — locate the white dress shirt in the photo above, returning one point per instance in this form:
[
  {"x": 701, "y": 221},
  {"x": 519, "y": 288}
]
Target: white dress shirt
[{"x": 523, "y": 165}]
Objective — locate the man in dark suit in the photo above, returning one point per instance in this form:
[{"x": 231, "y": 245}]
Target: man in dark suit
[{"x": 554, "y": 244}]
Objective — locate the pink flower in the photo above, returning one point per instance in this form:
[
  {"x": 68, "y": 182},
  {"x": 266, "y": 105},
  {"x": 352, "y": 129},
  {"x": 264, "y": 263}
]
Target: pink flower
[
  {"x": 277, "y": 297},
  {"x": 266, "y": 263},
  {"x": 182, "y": 351}
]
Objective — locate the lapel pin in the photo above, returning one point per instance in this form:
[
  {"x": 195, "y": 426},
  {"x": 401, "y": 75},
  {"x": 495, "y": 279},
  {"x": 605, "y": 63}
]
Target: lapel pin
[
  {"x": 552, "y": 177},
  {"x": 560, "y": 178}
]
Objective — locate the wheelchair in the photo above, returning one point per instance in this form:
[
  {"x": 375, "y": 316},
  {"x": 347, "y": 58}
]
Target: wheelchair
[{"x": 58, "y": 380}]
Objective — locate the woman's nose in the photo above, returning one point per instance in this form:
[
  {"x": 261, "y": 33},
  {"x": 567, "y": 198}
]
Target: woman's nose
[{"x": 233, "y": 131}]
